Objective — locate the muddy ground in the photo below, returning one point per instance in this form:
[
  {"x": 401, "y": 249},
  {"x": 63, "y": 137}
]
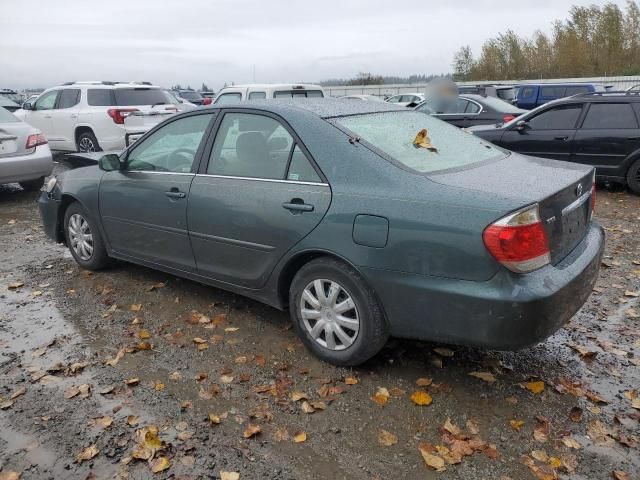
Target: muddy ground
[{"x": 563, "y": 409}]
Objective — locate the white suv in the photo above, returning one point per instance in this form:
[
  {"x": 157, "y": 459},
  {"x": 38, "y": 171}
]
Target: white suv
[
  {"x": 94, "y": 116},
  {"x": 256, "y": 91}
]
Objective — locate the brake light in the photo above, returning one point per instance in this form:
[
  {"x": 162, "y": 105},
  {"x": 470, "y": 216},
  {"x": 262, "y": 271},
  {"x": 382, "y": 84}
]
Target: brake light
[
  {"x": 36, "y": 139},
  {"x": 206, "y": 101},
  {"x": 508, "y": 118},
  {"x": 518, "y": 241},
  {"x": 119, "y": 114}
]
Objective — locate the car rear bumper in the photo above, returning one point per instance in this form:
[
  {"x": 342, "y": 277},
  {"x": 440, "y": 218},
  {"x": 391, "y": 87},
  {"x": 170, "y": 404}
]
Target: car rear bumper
[
  {"x": 49, "y": 207},
  {"x": 508, "y": 312},
  {"x": 22, "y": 168}
]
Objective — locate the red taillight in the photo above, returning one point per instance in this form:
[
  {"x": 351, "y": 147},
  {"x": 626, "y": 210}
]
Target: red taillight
[
  {"x": 206, "y": 101},
  {"x": 36, "y": 139},
  {"x": 119, "y": 114},
  {"x": 518, "y": 241},
  {"x": 508, "y": 118}
]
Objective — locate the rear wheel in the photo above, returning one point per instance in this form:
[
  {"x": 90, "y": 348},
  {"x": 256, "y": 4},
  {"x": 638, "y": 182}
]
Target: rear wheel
[
  {"x": 633, "y": 177},
  {"x": 87, "y": 142},
  {"x": 83, "y": 238},
  {"x": 33, "y": 185},
  {"x": 336, "y": 314}
]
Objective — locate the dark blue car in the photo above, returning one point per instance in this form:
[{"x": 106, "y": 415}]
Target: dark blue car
[{"x": 533, "y": 95}]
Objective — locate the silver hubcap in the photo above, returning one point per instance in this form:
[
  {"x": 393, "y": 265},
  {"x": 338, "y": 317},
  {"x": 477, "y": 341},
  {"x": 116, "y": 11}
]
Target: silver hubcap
[
  {"x": 86, "y": 145},
  {"x": 329, "y": 314},
  {"x": 80, "y": 237}
]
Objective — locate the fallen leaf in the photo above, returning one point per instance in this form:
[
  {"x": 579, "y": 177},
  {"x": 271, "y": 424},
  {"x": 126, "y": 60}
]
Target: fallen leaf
[
  {"x": 144, "y": 334},
  {"x": 295, "y": 396},
  {"x": 175, "y": 376},
  {"x": 351, "y": 380},
  {"x": 444, "y": 352},
  {"x": 281, "y": 434},
  {"x": 15, "y": 285},
  {"x": 155, "y": 286},
  {"x": 198, "y": 340},
  {"x": 114, "y": 361},
  {"x": 433, "y": 461},
  {"x": 535, "y": 387},
  {"x": 136, "y": 307},
  {"x": 386, "y": 438},
  {"x": 251, "y": 430},
  {"x": 599, "y": 433},
  {"x": 229, "y": 475},
  {"x": 424, "y": 382},
  {"x": 133, "y": 420},
  {"x": 300, "y": 437},
  {"x": 382, "y": 396},
  {"x": 307, "y": 408},
  {"x": 88, "y": 453},
  {"x": 132, "y": 381},
  {"x": 516, "y": 424},
  {"x": 18, "y": 392},
  {"x": 6, "y": 404},
  {"x": 584, "y": 351},
  {"x": 421, "y": 398},
  {"x": 422, "y": 140},
  {"x": 620, "y": 475},
  {"x": 214, "y": 419},
  {"x": 486, "y": 376},
  {"x": 9, "y": 475},
  {"x": 541, "y": 430},
  {"x": 629, "y": 293},
  {"x": 103, "y": 422},
  {"x": 575, "y": 414},
  {"x": 571, "y": 442},
  {"x": 160, "y": 464}
]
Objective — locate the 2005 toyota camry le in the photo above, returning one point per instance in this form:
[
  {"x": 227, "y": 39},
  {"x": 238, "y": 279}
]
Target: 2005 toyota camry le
[{"x": 364, "y": 220}]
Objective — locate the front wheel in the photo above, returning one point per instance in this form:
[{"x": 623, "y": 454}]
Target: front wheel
[
  {"x": 633, "y": 177},
  {"x": 336, "y": 314},
  {"x": 83, "y": 238}
]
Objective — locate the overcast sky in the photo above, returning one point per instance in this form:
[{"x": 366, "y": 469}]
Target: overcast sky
[{"x": 46, "y": 42}]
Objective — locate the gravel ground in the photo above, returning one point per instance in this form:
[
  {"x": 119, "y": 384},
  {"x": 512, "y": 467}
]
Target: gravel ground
[{"x": 116, "y": 373}]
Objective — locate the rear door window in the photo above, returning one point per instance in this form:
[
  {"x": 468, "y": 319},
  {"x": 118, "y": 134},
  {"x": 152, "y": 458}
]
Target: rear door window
[
  {"x": 257, "y": 95},
  {"x": 553, "y": 92},
  {"x": 472, "y": 107},
  {"x": 610, "y": 115},
  {"x": 69, "y": 97},
  {"x": 576, "y": 90},
  {"x": 100, "y": 97},
  {"x": 525, "y": 92},
  {"x": 559, "y": 118},
  {"x": 300, "y": 168}
]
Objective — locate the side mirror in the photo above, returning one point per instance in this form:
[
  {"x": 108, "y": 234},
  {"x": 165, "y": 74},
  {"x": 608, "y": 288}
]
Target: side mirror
[
  {"x": 109, "y": 162},
  {"x": 27, "y": 106},
  {"x": 521, "y": 125}
]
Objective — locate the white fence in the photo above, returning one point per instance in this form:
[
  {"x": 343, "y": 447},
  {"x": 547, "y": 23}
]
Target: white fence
[{"x": 616, "y": 83}]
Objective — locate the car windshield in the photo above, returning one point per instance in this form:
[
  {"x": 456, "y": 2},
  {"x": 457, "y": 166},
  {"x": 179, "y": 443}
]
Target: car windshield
[
  {"x": 419, "y": 141},
  {"x": 7, "y": 117},
  {"x": 191, "y": 95},
  {"x": 500, "y": 105},
  {"x": 14, "y": 97},
  {"x": 139, "y": 96}
]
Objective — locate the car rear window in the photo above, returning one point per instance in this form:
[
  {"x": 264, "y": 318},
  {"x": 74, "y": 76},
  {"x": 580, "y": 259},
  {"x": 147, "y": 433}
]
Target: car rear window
[
  {"x": 500, "y": 105},
  {"x": 139, "y": 96},
  {"x": 100, "y": 97},
  {"x": 298, "y": 93},
  {"x": 191, "y": 95},
  {"x": 507, "y": 94},
  {"x": 610, "y": 115},
  {"x": 7, "y": 117},
  {"x": 393, "y": 134}
]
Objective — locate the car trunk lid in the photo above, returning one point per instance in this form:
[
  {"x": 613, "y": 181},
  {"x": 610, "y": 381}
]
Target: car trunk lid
[
  {"x": 562, "y": 190},
  {"x": 13, "y": 138}
]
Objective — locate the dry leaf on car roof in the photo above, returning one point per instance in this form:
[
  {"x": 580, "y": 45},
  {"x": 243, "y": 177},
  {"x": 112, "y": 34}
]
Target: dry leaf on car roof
[{"x": 422, "y": 140}]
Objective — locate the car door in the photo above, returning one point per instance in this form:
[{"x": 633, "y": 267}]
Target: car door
[
  {"x": 549, "y": 133},
  {"x": 258, "y": 195},
  {"x": 41, "y": 115},
  {"x": 608, "y": 134},
  {"x": 451, "y": 110},
  {"x": 143, "y": 206},
  {"x": 64, "y": 118}
]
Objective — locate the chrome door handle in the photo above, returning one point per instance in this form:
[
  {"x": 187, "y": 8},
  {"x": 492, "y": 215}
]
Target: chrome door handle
[
  {"x": 175, "y": 194},
  {"x": 74, "y": 115},
  {"x": 561, "y": 138},
  {"x": 297, "y": 205}
]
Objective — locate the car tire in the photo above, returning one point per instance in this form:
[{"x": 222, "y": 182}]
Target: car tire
[
  {"x": 87, "y": 142},
  {"x": 88, "y": 251},
  {"x": 633, "y": 177},
  {"x": 356, "y": 334},
  {"x": 33, "y": 185}
]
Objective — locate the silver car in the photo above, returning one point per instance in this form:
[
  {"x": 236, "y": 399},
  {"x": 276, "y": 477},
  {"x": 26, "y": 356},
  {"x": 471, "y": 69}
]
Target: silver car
[{"x": 25, "y": 157}]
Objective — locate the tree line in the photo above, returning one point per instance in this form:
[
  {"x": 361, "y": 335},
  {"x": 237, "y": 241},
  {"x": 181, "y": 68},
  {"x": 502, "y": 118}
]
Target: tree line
[
  {"x": 593, "y": 41},
  {"x": 366, "y": 78}
]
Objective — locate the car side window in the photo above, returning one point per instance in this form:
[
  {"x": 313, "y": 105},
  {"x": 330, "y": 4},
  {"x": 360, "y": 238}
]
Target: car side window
[
  {"x": 300, "y": 168},
  {"x": 556, "y": 92},
  {"x": 171, "y": 148},
  {"x": 47, "y": 101},
  {"x": 257, "y": 95},
  {"x": 395, "y": 99},
  {"x": 250, "y": 145},
  {"x": 229, "y": 98},
  {"x": 576, "y": 90},
  {"x": 525, "y": 92},
  {"x": 472, "y": 108},
  {"x": 558, "y": 118},
  {"x": 69, "y": 97},
  {"x": 610, "y": 115}
]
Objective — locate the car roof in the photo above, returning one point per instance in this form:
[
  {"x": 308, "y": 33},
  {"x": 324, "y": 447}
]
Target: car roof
[
  {"x": 322, "y": 107},
  {"x": 606, "y": 97},
  {"x": 272, "y": 85}
]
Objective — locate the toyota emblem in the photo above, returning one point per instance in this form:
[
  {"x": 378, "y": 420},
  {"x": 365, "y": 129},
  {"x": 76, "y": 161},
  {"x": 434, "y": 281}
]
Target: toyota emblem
[{"x": 579, "y": 190}]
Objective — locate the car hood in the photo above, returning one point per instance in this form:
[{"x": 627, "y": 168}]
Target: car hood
[{"x": 522, "y": 179}]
